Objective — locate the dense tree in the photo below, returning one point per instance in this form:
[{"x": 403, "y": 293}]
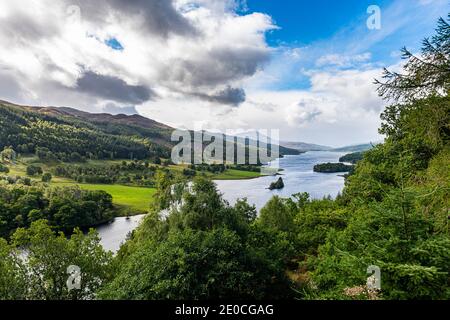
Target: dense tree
[
  {"x": 73, "y": 139},
  {"x": 134, "y": 173},
  {"x": 47, "y": 177},
  {"x": 8, "y": 154},
  {"x": 398, "y": 194},
  {"x": 332, "y": 167},
  {"x": 208, "y": 249},
  {"x": 33, "y": 170},
  {"x": 64, "y": 208},
  {"x": 352, "y": 157},
  {"x": 43, "y": 273},
  {"x": 4, "y": 169},
  {"x": 424, "y": 75}
]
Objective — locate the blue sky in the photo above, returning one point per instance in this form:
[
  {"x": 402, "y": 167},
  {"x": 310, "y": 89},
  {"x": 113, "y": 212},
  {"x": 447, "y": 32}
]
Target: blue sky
[
  {"x": 305, "y": 67},
  {"x": 304, "y": 22},
  {"x": 339, "y": 27}
]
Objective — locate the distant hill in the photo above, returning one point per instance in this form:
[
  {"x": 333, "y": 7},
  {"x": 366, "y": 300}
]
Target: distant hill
[
  {"x": 135, "y": 119},
  {"x": 304, "y": 147},
  {"x": 352, "y": 158},
  {"x": 66, "y": 133},
  {"x": 356, "y": 148},
  {"x": 159, "y": 132}
]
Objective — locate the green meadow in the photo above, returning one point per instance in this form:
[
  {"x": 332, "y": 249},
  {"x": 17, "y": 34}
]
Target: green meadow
[
  {"x": 131, "y": 200},
  {"x": 232, "y": 174}
]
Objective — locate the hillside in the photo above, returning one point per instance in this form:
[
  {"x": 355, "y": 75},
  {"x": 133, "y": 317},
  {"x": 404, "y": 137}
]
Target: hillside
[
  {"x": 304, "y": 147},
  {"x": 135, "y": 119},
  {"x": 355, "y": 148},
  {"x": 60, "y": 132}
]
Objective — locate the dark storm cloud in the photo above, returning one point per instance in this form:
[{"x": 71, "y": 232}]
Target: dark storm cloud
[
  {"x": 217, "y": 67},
  {"x": 231, "y": 96},
  {"x": 209, "y": 68},
  {"x": 234, "y": 96},
  {"x": 158, "y": 16},
  {"x": 113, "y": 88}
]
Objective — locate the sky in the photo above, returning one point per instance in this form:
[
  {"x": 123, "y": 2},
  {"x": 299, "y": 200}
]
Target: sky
[{"x": 305, "y": 68}]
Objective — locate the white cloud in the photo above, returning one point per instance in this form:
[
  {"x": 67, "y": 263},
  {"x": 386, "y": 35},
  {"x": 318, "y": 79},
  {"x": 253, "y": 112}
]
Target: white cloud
[
  {"x": 343, "y": 61},
  {"x": 198, "y": 67},
  {"x": 205, "y": 52},
  {"x": 340, "y": 107}
]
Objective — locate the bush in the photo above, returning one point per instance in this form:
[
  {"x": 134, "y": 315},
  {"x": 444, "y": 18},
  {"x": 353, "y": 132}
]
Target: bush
[
  {"x": 34, "y": 170},
  {"x": 4, "y": 168},
  {"x": 47, "y": 177}
]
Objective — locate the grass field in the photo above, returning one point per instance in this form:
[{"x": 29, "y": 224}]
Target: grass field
[
  {"x": 231, "y": 174},
  {"x": 137, "y": 199},
  {"x": 129, "y": 199}
]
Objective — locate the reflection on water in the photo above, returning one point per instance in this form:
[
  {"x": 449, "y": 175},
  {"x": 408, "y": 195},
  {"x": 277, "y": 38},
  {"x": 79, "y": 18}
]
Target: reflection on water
[
  {"x": 298, "y": 176},
  {"x": 115, "y": 233}
]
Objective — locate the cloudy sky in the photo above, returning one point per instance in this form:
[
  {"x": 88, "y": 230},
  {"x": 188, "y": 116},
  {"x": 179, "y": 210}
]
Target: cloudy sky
[{"x": 304, "y": 67}]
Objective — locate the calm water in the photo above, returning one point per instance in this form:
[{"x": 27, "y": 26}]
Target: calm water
[
  {"x": 298, "y": 176},
  {"x": 115, "y": 233}
]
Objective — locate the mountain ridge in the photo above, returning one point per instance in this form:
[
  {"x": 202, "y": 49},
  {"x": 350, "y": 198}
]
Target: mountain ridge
[{"x": 137, "y": 130}]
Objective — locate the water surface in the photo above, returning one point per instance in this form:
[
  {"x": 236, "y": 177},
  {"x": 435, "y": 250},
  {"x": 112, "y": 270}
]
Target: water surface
[
  {"x": 298, "y": 176},
  {"x": 115, "y": 233}
]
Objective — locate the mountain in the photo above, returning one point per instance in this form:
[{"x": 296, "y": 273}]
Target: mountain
[
  {"x": 67, "y": 134},
  {"x": 255, "y": 136},
  {"x": 356, "y": 148},
  {"x": 135, "y": 119},
  {"x": 304, "y": 147}
]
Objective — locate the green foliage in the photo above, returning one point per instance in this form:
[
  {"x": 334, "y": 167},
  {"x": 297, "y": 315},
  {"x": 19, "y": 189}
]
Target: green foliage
[
  {"x": 277, "y": 215},
  {"x": 64, "y": 208},
  {"x": 127, "y": 173},
  {"x": 208, "y": 250},
  {"x": 423, "y": 75},
  {"x": 42, "y": 274},
  {"x": 352, "y": 157},
  {"x": 33, "y": 170},
  {"x": 398, "y": 195},
  {"x": 13, "y": 283},
  {"x": 394, "y": 236},
  {"x": 313, "y": 221},
  {"x": 8, "y": 154},
  {"x": 4, "y": 169},
  {"x": 75, "y": 139},
  {"x": 47, "y": 177},
  {"x": 197, "y": 265},
  {"x": 332, "y": 167}
]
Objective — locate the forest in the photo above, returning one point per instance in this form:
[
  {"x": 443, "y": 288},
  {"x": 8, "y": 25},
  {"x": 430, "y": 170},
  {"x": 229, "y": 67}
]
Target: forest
[
  {"x": 69, "y": 139},
  {"x": 392, "y": 213},
  {"x": 352, "y": 157},
  {"x": 332, "y": 167}
]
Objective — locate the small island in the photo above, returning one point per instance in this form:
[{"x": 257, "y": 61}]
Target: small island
[
  {"x": 333, "y": 167},
  {"x": 277, "y": 185}
]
